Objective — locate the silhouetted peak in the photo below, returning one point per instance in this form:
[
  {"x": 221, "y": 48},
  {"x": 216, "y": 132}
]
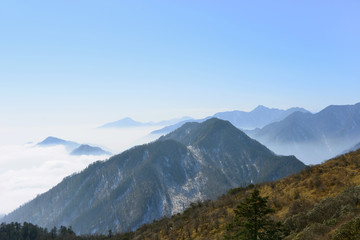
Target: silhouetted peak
[{"x": 261, "y": 108}]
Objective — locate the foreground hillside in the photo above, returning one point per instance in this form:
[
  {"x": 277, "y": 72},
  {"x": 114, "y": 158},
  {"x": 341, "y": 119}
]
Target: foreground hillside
[{"x": 194, "y": 163}]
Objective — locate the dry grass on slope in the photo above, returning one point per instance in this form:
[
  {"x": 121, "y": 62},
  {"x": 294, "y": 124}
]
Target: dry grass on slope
[{"x": 313, "y": 184}]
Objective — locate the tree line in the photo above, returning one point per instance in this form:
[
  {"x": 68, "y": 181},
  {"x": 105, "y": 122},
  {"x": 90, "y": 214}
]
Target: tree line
[{"x": 29, "y": 231}]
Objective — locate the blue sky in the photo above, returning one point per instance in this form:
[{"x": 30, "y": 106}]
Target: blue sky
[{"x": 64, "y": 62}]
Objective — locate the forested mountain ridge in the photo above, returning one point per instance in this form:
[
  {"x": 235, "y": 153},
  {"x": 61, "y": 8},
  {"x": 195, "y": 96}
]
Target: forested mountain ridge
[{"x": 156, "y": 179}]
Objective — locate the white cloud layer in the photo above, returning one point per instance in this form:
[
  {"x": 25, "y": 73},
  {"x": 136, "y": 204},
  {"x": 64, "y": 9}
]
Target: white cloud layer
[{"x": 27, "y": 170}]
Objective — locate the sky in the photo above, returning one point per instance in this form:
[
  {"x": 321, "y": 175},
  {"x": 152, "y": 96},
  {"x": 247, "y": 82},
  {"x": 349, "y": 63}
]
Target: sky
[
  {"x": 67, "y": 67},
  {"x": 91, "y": 62}
]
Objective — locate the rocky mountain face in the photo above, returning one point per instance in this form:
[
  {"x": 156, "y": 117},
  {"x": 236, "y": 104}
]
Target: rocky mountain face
[
  {"x": 313, "y": 137},
  {"x": 196, "y": 162}
]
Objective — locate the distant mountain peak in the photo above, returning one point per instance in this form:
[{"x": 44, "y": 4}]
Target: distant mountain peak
[
  {"x": 85, "y": 149},
  {"x": 54, "y": 141},
  {"x": 127, "y": 119},
  {"x": 73, "y": 148},
  {"x": 129, "y": 122},
  {"x": 261, "y": 108},
  {"x": 124, "y": 122}
]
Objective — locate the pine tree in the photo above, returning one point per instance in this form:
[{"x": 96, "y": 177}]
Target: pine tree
[{"x": 252, "y": 221}]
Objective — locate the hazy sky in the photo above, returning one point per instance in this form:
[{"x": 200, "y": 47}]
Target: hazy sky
[{"x": 65, "y": 62}]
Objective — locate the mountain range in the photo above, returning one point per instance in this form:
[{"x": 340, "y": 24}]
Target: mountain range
[
  {"x": 313, "y": 137},
  {"x": 196, "y": 162},
  {"x": 73, "y": 148},
  {"x": 128, "y": 122},
  {"x": 257, "y": 118}
]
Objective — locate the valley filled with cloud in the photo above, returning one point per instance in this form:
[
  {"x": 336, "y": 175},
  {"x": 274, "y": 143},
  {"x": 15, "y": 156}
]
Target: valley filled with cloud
[{"x": 27, "y": 170}]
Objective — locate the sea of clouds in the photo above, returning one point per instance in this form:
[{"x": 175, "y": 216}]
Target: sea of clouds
[{"x": 27, "y": 170}]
